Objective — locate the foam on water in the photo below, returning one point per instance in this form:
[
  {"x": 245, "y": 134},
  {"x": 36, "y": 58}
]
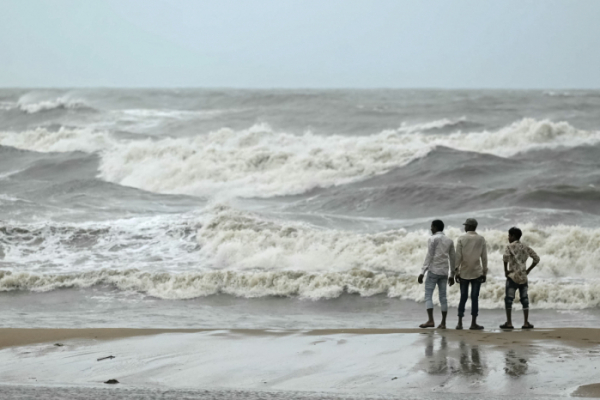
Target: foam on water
[
  {"x": 248, "y": 255},
  {"x": 51, "y": 104},
  {"x": 261, "y": 162},
  {"x": 62, "y": 140}
]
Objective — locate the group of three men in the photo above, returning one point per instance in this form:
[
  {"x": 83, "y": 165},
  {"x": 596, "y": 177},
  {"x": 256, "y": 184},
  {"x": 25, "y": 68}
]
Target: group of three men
[{"x": 468, "y": 266}]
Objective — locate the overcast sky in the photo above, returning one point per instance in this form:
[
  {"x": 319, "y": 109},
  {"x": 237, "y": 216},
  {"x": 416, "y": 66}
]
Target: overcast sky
[{"x": 300, "y": 43}]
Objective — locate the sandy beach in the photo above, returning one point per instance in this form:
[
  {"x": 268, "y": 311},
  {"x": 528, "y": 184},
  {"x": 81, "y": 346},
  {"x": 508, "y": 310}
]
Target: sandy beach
[{"x": 404, "y": 362}]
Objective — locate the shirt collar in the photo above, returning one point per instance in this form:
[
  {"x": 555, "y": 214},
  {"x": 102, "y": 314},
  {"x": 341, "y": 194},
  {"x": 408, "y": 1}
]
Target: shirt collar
[{"x": 439, "y": 233}]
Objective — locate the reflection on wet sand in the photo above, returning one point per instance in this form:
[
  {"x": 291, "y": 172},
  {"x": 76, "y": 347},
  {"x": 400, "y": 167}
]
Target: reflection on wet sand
[
  {"x": 438, "y": 359},
  {"x": 442, "y": 360},
  {"x": 470, "y": 360},
  {"x": 515, "y": 365}
]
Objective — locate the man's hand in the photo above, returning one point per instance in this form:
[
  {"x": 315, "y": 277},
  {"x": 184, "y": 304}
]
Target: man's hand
[
  {"x": 457, "y": 279},
  {"x": 450, "y": 281},
  {"x": 420, "y": 278},
  {"x": 483, "y": 278},
  {"x": 532, "y": 267}
]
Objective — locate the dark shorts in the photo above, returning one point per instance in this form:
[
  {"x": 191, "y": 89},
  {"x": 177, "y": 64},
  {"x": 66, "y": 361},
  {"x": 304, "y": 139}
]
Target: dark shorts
[{"x": 511, "y": 290}]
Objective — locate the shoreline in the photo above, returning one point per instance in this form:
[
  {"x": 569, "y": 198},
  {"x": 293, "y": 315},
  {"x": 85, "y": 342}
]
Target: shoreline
[
  {"x": 578, "y": 337},
  {"x": 557, "y": 362}
]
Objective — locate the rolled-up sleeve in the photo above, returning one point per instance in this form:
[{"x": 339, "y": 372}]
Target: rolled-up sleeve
[
  {"x": 484, "y": 260},
  {"x": 429, "y": 256},
  {"x": 452, "y": 259},
  {"x": 458, "y": 257}
]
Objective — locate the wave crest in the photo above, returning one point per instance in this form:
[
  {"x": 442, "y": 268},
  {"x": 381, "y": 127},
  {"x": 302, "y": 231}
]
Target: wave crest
[
  {"x": 251, "y": 284},
  {"x": 58, "y": 103},
  {"x": 260, "y": 162},
  {"x": 248, "y": 255},
  {"x": 62, "y": 140}
]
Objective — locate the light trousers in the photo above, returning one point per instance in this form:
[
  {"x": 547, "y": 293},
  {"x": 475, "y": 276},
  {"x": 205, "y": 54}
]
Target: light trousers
[{"x": 433, "y": 280}]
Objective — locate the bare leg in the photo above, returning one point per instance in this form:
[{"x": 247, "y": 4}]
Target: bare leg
[
  {"x": 429, "y": 323},
  {"x": 442, "y": 325},
  {"x": 508, "y": 324},
  {"x": 526, "y": 324}
]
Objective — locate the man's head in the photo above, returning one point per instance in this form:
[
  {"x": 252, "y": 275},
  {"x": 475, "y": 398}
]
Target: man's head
[
  {"x": 514, "y": 234},
  {"x": 470, "y": 225},
  {"x": 437, "y": 226}
]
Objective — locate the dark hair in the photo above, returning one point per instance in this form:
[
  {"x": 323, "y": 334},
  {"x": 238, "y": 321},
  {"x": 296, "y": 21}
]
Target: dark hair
[
  {"x": 439, "y": 224},
  {"x": 515, "y": 232}
]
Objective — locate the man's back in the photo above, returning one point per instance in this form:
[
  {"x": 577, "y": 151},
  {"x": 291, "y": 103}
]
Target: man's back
[
  {"x": 440, "y": 253},
  {"x": 471, "y": 256}
]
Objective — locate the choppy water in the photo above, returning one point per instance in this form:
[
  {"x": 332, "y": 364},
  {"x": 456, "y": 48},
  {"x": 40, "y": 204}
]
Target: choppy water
[{"x": 180, "y": 194}]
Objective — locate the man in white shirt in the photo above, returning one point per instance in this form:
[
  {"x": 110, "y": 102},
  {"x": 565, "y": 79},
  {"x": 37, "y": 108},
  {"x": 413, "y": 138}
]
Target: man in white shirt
[
  {"x": 440, "y": 254},
  {"x": 471, "y": 270}
]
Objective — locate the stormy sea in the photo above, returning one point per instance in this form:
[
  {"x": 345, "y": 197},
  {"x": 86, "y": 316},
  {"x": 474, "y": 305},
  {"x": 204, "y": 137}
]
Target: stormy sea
[{"x": 230, "y": 208}]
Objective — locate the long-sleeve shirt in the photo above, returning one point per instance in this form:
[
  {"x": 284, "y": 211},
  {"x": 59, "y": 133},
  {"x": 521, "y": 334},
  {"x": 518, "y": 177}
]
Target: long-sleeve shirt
[
  {"x": 440, "y": 254},
  {"x": 516, "y": 255},
  {"x": 471, "y": 256}
]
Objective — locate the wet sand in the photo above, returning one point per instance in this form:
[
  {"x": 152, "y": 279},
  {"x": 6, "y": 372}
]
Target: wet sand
[
  {"x": 400, "y": 362},
  {"x": 579, "y": 337},
  {"x": 592, "y": 391}
]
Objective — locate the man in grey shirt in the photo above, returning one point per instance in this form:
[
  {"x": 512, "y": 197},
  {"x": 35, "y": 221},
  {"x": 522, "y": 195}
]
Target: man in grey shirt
[
  {"x": 440, "y": 254},
  {"x": 471, "y": 270}
]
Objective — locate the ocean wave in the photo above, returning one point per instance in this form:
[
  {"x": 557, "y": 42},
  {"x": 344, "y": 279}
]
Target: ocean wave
[
  {"x": 260, "y": 162},
  {"x": 143, "y": 113},
  {"x": 249, "y": 255},
  {"x": 568, "y": 182},
  {"x": 140, "y": 242},
  {"x": 239, "y": 240},
  {"x": 440, "y": 125},
  {"x": 306, "y": 285},
  {"x": 62, "y": 140},
  {"x": 58, "y": 103}
]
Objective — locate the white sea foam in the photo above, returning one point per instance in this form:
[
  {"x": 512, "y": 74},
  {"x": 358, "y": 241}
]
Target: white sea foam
[
  {"x": 52, "y": 104},
  {"x": 248, "y": 255},
  {"x": 62, "y": 140},
  {"x": 7, "y": 105},
  {"x": 170, "y": 114},
  {"x": 250, "y": 284},
  {"x": 436, "y": 124},
  {"x": 260, "y": 162}
]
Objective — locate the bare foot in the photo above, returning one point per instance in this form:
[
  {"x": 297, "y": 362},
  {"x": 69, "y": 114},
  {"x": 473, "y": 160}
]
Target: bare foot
[
  {"x": 441, "y": 326},
  {"x": 476, "y": 327},
  {"x": 506, "y": 325},
  {"x": 428, "y": 324}
]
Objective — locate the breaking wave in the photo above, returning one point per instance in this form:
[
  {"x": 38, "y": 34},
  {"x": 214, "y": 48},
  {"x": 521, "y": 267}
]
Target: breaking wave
[
  {"x": 247, "y": 255},
  {"x": 440, "y": 125},
  {"x": 250, "y": 284},
  {"x": 52, "y": 104},
  {"x": 260, "y": 162},
  {"x": 62, "y": 140}
]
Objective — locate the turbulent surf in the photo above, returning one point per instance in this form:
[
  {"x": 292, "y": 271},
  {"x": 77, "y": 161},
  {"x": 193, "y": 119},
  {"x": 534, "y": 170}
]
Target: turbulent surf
[{"x": 179, "y": 194}]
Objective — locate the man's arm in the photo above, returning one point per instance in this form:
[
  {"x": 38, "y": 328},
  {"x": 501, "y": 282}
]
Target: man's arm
[
  {"x": 452, "y": 260},
  {"x": 484, "y": 260},
  {"x": 458, "y": 259},
  {"x": 506, "y": 259},
  {"x": 428, "y": 258},
  {"x": 536, "y": 259}
]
